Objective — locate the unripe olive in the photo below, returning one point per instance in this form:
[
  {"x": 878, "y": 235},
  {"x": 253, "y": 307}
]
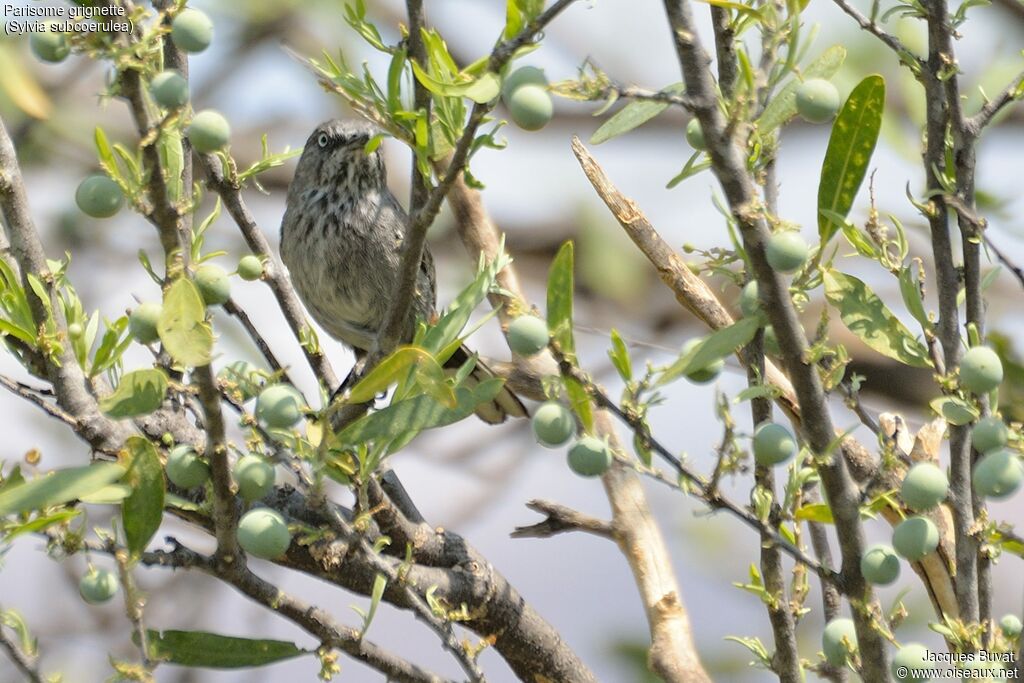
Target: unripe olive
[
  {"x": 264, "y": 533},
  {"x": 169, "y": 89},
  {"x": 983, "y": 670},
  {"x": 981, "y": 371},
  {"x": 279, "y": 406},
  {"x": 998, "y": 474},
  {"x": 99, "y": 196},
  {"x": 915, "y": 537},
  {"x": 142, "y": 322},
  {"x": 250, "y": 267},
  {"x": 49, "y": 46},
  {"x": 524, "y": 75},
  {"x": 255, "y": 477},
  {"x": 553, "y": 424},
  {"x": 880, "y": 565},
  {"x": 590, "y": 457},
  {"x": 530, "y": 106},
  {"x": 817, "y": 100},
  {"x": 527, "y": 335},
  {"x": 1010, "y": 625},
  {"x": 75, "y": 331},
  {"x": 786, "y": 251},
  {"x": 185, "y": 469},
  {"x": 213, "y": 284},
  {"x": 910, "y": 657},
  {"x": 989, "y": 434},
  {"x": 209, "y": 131},
  {"x": 773, "y": 444},
  {"x": 705, "y": 374},
  {"x": 924, "y": 487},
  {"x": 98, "y": 586},
  {"x": 695, "y": 135},
  {"x": 749, "y": 302},
  {"x": 192, "y": 31},
  {"x": 838, "y": 638}
]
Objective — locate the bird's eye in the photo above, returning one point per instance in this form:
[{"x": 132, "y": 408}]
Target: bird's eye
[{"x": 322, "y": 140}]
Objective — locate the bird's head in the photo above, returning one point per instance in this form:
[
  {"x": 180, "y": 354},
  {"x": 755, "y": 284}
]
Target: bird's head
[{"x": 335, "y": 156}]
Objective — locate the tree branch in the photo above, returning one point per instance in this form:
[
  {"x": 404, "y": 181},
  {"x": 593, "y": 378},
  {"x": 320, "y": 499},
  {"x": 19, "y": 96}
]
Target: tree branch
[
  {"x": 561, "y": 519},
  {"x": 23, "y": 661}
]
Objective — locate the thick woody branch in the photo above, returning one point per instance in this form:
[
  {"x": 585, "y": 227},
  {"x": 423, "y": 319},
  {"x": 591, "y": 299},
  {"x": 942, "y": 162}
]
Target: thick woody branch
[
  {"x": 225, "y": 512},
  {"x": 729, "y": 166},
  {"x": 561, "y": 519}
]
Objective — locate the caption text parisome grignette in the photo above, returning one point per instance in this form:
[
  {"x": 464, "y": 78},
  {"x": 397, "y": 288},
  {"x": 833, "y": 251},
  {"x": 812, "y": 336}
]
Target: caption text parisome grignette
[{"x": 30, "y": 19}]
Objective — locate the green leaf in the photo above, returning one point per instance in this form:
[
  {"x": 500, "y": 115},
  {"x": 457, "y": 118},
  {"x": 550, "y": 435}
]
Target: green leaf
[
  {"x": 814, "y": 512},
  {"x": 418, "y": 413},
  {"x": 139, "y": 392},
  {"x": 182, "y": 326},
  {"x": 560, "y": 295},
  {"x": 58, "y": 487},
  {"x": 41, "y": 523},
  {"x": 619, "y": 355},
  {"x": 715, "y": 346},
  {"x": 481, "y": 90},
  {"x": 143, "y": 510},
  {"x": 783, "y": 106},
  {"x": 387, "y": 372},
  {"x": 850, "y": 147},
  {"x": 172, "y": 158},
  {"x": 633, "y": 115},
  {"x": 214, "y": 651},
  {"x": 955, "y": 410},
  {"x": 866, "y": 316},
  {"x": 108, "y": 495},
  {"x": 910, "y": 290}
]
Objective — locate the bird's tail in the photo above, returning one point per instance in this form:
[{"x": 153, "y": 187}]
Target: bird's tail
[{"x": 499, "y": 408}]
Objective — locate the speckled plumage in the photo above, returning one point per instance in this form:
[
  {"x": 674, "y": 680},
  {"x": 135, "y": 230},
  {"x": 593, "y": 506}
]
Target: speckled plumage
[{"x": 341, "y": 239}]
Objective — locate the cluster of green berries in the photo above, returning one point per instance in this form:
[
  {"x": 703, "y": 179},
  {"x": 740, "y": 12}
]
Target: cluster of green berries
[{"x": 525, "y": 93}]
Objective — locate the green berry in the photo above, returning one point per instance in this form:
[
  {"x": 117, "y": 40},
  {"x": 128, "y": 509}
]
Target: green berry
[
  {"x": 264, "y": 533},
  {"x": 99, "y": 196},
  {"x": 75, "y": 331},
  {"x": 786, "y": 251},
  {"x": 280, "y": 406},
  {"x": 185, "y": 469},
  {"x": 142, "y": 322},
  {"x": 989, "y": 434},
  {"x": 213, "y": 284},
  {"x": 750, "y": 304},
  {"x": 910, "y": 657},
  {"x": 838, "y": 638},
  {"x": 527, "y": 335},
  {"x": 250, "y": 267},
  {"x": 169, "y": 89},
  {"x": 983, "y": 670},
  {"x": 553, "y": 424},
  {"x": 192, "y": 31},
  {"x": 924, "y": 487},
  {"x": 209, "y": 131},
  {"x": 242, "y": 377},
  {"x": 817, "y": 100},
  {"x": 998, "y": 474},
  {"x": 98, "y": 586},
  {"x": 530, "y": 107},
  {"x": 590, "y": 457},
  {"x": 915, "y": 537},
  {"x": 254, "y": 476},
  {"x": 1010, "y": 625},
  {"x": 705, "y": 374},
  {"x": 49, "y": 46},
  {"x": 695, "y": 135},
  {"x": 880, "y": 565},
  {"x": 981, "y": 371},
  {"x": 524, "y": 75},
  {"x": 773, "y": 444}
]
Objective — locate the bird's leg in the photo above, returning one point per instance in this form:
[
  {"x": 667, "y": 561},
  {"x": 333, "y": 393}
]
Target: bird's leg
[{"x": 353, "y": 376}]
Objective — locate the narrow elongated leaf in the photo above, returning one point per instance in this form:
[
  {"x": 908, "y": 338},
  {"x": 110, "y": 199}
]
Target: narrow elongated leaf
[
  {"x": 783, "y": 106},
  {"x": 388, "y": 371},
  {"x": 182, "y": 326},
  {"x": 910, "y": 291},
  {"x": 58, "y": 487},
  {"x": 143, "y": 510},
  {"x": 40, "y": 523},
  {"x": 173, "y": 159},
  {"x": 633, "y": 115},
  {"x": 850, "y": 146},
  {"x": 140, "y": 392},
  {"x": 480, "y": 90},
  {"x": 866, "y": 316},
  {"x": 715, "y": 346},
  {"x": 214, "y": 651},
  {"x": 418, "y": 413},
  {"x": 955, "y": 410},
  {"x": 561, "y": 288}
]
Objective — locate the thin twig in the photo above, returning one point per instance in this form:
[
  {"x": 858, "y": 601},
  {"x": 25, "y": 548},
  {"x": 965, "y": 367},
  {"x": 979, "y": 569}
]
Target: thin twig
[
  {"x": 23, "y": 661},
  {"x": 232, "y": 307},
  {"x": 1010, "y": 94},
  {"x": 891, "y": 41},
  {"x": 561, "y": 519}
]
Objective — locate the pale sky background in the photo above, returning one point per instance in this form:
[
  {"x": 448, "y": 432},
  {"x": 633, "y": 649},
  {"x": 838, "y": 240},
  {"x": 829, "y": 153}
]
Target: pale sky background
[{"x": 468, "y": 477}]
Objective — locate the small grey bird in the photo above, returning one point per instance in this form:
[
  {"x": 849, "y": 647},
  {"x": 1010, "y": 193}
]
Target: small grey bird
[{"x": 341, "y": 239}]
